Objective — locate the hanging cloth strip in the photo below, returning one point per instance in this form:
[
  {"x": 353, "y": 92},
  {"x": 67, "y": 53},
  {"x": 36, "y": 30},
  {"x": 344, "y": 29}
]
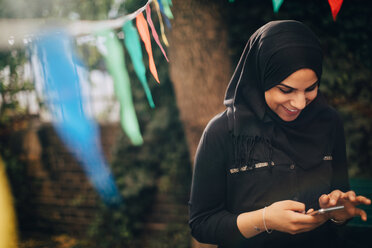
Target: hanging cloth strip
[
  {"x": 161, "y": 7},
  {"x": 167, "y": 10},
  {"x": 153, "y": 30},
  {"x": 164, "y": 38},
  {"x": 60, "y": 71},
  {"x": 133, "y": 45},
  {"x": 335, "y": 7},
  {"x": 145, "y": 36},
  {"x": 277, "y": 4},
  {"x": 114, "y": 57}
]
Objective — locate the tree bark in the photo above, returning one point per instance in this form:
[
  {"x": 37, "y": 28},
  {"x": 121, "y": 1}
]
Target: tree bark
[{"x": 200, "y": 66}]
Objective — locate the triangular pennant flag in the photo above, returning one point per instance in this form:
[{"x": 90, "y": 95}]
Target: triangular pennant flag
[
  {"x": 62, "y": 71},
  {"x": 335, "y": 7},
  {"x": 133, "y": 45},
  {"x": 144, "y": 32},
  {"x": 153, "y": 31},
  {"x": 167, "y": 10},
  {"x": 167, "y": 22},
  {"x": 276, "y": 5},
  {"x": 114, "y": 57},
  {"x": 8, "y": 230},
  {"x": 160, "y": 6},
  {"x": 164, "y": 38}
]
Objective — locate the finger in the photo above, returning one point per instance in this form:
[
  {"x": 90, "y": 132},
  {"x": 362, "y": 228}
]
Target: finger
[
  {"x": 308, "y": 219},
  {"x": 310, "y": 211},
  {"x": 295, "y": 206},
  {"x": 362, "y": 200},
  {"x": 334, "y": 196},
  {"x": 350, "y": 195},
  {"x": 361, "y": 213},
  {"x": 323, "y": 200}
]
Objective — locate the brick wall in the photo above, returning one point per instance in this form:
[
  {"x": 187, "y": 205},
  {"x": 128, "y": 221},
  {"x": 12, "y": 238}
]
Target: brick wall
[
  {"x": 55, "y": 194},
  {"x": 61, "y": 198}
]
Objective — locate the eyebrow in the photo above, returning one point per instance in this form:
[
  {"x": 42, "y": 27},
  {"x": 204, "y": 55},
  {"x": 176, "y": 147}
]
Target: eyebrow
[{"x": 289, "y": 87}]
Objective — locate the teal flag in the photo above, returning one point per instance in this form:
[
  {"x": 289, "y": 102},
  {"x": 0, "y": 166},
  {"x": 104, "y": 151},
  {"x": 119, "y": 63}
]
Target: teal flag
[
  {"x": 133, "y": 45},
  {"x": 167, "y": 10},
  {"x": 276, "y": 5},
  {"x": 113, "y": 53}
]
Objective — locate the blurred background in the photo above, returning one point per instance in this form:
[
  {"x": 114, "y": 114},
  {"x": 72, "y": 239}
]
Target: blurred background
[{"x": 56, "y": 205}]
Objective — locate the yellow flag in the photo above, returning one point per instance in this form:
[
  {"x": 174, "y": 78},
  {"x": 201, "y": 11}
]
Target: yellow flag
[{"x": 8, "y": 233}]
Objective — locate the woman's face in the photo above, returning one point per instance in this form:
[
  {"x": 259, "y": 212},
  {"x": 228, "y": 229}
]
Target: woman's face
[{"x": 293, "y": 94}]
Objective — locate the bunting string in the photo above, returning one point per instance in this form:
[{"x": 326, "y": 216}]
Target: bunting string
[{"x": 19, "y": 33}]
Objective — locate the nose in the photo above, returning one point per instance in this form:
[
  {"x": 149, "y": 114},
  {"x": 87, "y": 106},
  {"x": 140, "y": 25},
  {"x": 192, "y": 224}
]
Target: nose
[{"x": 299, "y": 101}]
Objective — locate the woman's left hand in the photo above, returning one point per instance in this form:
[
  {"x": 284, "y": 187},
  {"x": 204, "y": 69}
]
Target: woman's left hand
[{"x": 349, "y": 200}]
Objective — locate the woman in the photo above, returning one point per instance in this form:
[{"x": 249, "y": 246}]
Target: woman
[{"x": 276, "y": 154}]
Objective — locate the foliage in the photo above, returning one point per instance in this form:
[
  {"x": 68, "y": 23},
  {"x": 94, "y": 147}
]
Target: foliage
[
  {"x": 347, "y": 75},
  {"x": 12, "y": 84},
  {"x": 160, "y": 165}
]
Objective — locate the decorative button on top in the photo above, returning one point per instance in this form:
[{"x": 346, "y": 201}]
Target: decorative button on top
[{"x": 292, "y": 166}]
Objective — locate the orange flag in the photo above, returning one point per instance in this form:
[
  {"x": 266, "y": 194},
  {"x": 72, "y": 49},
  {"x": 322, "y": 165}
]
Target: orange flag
[
  {"x": 144, "y": 32},
  {"x": 335, "y": 7}
]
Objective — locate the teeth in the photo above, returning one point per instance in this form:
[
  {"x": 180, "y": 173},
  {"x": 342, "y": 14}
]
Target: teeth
[{"x": 292, "y": 110}]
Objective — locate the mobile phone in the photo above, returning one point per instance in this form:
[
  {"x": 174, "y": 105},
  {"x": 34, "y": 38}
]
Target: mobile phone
[{"x": 326, "y": 210}]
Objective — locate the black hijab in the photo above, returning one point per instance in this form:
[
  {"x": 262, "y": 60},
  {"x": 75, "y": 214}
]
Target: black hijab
[{"x": 272, "y": 53}]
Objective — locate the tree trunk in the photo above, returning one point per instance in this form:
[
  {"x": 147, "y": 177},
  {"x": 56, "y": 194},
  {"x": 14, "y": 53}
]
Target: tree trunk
[{"x": 200, "y": 66}]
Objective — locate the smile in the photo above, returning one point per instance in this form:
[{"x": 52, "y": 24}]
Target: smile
[{"x": 291, "y": 111}]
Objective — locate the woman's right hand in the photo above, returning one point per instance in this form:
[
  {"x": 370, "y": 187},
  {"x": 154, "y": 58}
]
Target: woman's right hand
[{"x": 289, "y": 216}]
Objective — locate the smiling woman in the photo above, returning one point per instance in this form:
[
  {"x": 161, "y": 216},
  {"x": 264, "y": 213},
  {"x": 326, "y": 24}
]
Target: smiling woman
[
  {"x": 293, "y": 94},
  {"x": 276, "y": 153}
]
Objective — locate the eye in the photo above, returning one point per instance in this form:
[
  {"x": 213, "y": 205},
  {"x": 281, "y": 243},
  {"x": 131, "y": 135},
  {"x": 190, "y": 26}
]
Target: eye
[
  {"x": 312, "y": 87},
  {"x": 285, "y": 91}
]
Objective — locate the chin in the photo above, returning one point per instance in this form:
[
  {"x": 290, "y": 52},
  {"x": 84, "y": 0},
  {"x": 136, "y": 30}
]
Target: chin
[{"x": 288, "y": 118}]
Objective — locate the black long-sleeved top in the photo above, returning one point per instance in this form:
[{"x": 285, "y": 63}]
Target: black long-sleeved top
[{"x": 220, "y": 192}]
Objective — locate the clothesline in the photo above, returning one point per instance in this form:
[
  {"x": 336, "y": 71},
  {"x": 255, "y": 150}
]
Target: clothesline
[{"x": 19, "y": 32}]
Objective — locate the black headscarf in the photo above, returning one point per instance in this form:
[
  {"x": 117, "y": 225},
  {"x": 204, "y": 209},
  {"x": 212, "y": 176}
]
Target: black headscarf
[{"x": 274, "y": 52}]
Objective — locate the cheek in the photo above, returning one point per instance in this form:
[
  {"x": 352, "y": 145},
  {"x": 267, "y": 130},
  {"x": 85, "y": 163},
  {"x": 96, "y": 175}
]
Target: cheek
[
  {"x": 312, "y": 95},
  {"x": 274, "y": 99},
  {"x": 269, "y": 98}
]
